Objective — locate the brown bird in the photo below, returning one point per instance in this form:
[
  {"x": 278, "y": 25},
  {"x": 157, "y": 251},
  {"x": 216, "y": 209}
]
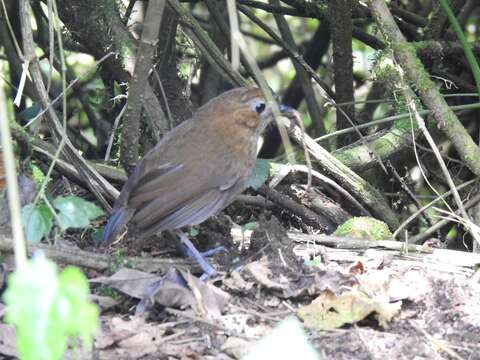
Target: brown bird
[{"x": 196, "y": 170}]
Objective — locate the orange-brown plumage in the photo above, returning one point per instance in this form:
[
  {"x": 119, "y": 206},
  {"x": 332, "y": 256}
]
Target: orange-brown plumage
[{"x": 196, "y": 169}]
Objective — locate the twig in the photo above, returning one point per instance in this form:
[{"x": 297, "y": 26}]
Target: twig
[
  {"x": 143, "y": 63},
  {"x": 12, "y": 186},
  {"x": 409, "y": 192},
  {"x": 308, "y": 216},
  {"x": 96, "y": 261},
  {"x": 292, "y": 53},
  {"x": 340, "y": 242},
  {"x": 456, "y": 196},
  {"x": 112, "y": 135},
  {"x": 63, "y": 72},
  {"x": 428, "y": 92},
  {"x": 235, "y": 49},
  {"x": 164, "y": 96},
  {"x": 389, "y": 119},
  {"x": 430, "y": 204},
  {"x": 336, "y": 186},
  {"x": 354, "y": 184},
  {"x": 70, "y": 152},
  {"x": 207, "y": 46},
  {"x": 305, "y": 83},
  {"x": 472, "y": 61},
  {"x": 10, "y": 29},
  {"x": 267, "y": 92},
  {"x": 426, "y": 234}
]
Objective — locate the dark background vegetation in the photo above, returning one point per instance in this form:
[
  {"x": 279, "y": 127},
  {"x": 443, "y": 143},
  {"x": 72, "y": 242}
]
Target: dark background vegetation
[{"x": 319, "y": 56}]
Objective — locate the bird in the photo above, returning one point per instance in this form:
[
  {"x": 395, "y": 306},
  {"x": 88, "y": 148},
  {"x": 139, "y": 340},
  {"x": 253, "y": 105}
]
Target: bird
[{"x": 196, "y": 169}]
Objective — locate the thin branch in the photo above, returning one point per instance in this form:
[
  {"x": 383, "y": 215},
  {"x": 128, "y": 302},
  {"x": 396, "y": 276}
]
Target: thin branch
[
  {"x": 305, "y": 83},
  {"x": 143, "y": 63},
  {"x": 365, "y": 192},
  {"x": 429, "y": 205},
  {"x": 206, "y": 45},
  {"x": 100, "y": 262},
  {"x": 432, "y": 230},
  {"x": 428, "y": 92},
  {"x": 12, "y": 185},
  {"x": 57, "y": 130},
  {"x": 293, "y": 54}
]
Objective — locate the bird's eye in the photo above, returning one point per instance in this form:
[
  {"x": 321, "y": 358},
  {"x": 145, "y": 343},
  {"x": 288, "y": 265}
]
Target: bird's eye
[{"x": 260, "y": 107}]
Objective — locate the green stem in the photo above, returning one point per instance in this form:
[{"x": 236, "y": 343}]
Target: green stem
[{"x": 472, "y": 61}]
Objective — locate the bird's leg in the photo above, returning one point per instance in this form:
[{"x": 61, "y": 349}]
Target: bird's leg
[
  {"x": 213, "y": 251},
  {"x": 186, "y": 251},
  {"x": 208, "y": 270}
]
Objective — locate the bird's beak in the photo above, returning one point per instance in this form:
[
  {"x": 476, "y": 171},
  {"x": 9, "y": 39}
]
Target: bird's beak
[
  {"x": 286, "y": 109},
  {"x": 290, "y": 113}
]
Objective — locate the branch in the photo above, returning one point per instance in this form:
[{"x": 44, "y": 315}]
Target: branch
[
  {"x": 415, "y": 73},
  {"x": 301, "y": 73},
  {"x": 362, "y": 190},
  {"x": 207, "y": 46},
  {"x": 94, "y": 179},
  {"x": 341, "y": 30},
  {"x": 94, "y": 260},
  {"x": 143, "y": 64}
]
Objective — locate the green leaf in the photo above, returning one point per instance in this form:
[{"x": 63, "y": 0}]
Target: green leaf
[
  {"x": 91, "y": 209},
  {"x": 48, "y": 308},
  {"x": 263, "y": 169},
  {"x": 30, "y": 112},
  {"x": 37, "y": 221},
  {"x": 260, "y": 174},
  {"x": 192, "y": 232},
  {"x": 97, "y": 235},
  {"x": 275, "y": 168},
  {"x": 252, "y": 225},
  {"x": 74, "y": 212},
  {"x": 82, "y": 317}
]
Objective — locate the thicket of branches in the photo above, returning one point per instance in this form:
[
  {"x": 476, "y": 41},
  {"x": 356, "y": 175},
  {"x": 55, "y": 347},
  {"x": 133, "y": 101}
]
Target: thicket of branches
[{"x": 365, "y": 75}]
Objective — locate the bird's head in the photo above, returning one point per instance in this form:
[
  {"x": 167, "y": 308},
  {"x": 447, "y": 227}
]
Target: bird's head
[{"x": 243, "y": 110}]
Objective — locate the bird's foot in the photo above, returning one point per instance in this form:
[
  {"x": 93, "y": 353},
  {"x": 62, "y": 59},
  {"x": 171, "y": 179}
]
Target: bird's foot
[
  {"x": 207, "y": 253},
  {"x": 191, "y": 251}
]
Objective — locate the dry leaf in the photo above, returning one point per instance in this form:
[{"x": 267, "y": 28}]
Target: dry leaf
[{"x": 329, "y": 311}]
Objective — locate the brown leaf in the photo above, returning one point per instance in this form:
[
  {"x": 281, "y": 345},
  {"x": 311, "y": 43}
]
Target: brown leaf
[
  {"x": 129, "y": 281},
  {"x": 329, "y": 311},
  {"x": 133, "y": 337},
  {"x": 207, "y": 300},
  {"x": 8, "y": 341}
]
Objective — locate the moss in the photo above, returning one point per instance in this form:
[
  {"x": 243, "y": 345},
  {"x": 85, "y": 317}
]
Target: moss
[
  {"x": 127, "y": 49},
  {"x": 469, "y": 158},
  {"x": 117, "y": 263},
  {"x": 405, "y": 125},
  {"x": 364, "y": 227},
  {"x": 382, "y": 144},
  {"x": 423, "y": 81},
  {"x": 388, "y": 75},
  {"x": 345, "y": 157},
  {"x": 420, "y": 45},
  {"x": 37, "y": 174}
]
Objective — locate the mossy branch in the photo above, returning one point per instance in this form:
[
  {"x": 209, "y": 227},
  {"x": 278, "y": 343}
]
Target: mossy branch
[{"x": 416, "y": 74}]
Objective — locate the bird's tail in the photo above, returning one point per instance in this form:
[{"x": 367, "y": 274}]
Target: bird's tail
[{"x": 116, "y": 224}]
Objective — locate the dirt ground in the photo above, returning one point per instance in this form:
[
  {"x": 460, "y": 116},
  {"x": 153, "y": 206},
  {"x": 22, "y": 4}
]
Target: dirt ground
[{"x": 353, "y": 303}]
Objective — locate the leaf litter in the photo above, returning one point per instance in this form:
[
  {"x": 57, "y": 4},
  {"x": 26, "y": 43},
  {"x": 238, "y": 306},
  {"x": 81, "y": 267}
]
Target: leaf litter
[{"x": 367, "y": 305}]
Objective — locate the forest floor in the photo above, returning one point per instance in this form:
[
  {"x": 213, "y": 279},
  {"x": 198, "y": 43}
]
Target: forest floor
[{"x": 356, "y": 300}]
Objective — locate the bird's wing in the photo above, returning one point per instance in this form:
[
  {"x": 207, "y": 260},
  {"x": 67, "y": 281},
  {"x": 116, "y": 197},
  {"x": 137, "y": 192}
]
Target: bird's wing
[
  {"x": 192, "y": 212},
  {"x": 171, "y": 195}
]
